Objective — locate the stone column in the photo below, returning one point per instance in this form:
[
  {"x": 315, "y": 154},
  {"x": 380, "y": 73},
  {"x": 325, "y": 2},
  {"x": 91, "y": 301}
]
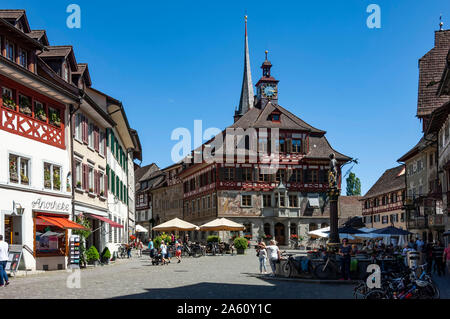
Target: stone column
[{"x": 288, "y": 231}]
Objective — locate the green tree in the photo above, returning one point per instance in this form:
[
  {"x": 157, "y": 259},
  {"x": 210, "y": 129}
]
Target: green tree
[{"x": 353, "y": 185}]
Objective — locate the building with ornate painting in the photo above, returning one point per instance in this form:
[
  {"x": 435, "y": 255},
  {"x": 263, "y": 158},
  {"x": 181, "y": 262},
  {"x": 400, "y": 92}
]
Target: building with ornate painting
[{"x": 291, "y": 198}]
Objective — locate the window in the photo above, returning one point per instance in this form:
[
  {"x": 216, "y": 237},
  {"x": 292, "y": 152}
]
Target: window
[
  {"x": 246, "y": 200},
  {"x": 247, "y": 174},
  {"x": 282, "y": 202},
  {"x": 262, "y": 145},
  {"x": 25, "y": 105},
  {"x": 296, "y": 176},
  {"x": 281, "y": 175},
  {"x": 19, "y": 171},
  {"x": 296, "y": 146},
  {"x": 385, "y": 219},
  {"x": 267, "y": 229},
  {"x": 293, "y": 229},
  {"x": 91, "y": 135},
  {"x": 78, "y": 175},
  {"x": 10, "y": 50},
  {"x": 262, "y": 176},
  {"x": 275, "y": 117},
  {"x": 91, "y": 180},
  {"x": 23, "y": 58},
  {"x": 52, "y": 177},
  {"x": 66, "y": 72},
  {"x": 101, "y": 177},
  {"x": 55, "y": 116},
  {"x": 312, "y": 176},
  {"x": 267, "y": 200},
  {"x": 293, "y": 201},
  {"x": 229, "y": 173}
]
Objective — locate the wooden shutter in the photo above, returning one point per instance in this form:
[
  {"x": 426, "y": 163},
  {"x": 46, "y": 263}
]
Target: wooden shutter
[
  {"x": 74, "y": 117},
  {"x": 83, "y": 177},
  {"x": 105, "y": 181},
  {"x": 104, "y": 141},
  {"x": 96, "y": 138}
]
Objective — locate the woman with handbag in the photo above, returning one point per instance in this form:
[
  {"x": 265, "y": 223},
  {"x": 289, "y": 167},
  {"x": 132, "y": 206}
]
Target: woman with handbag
[{"x": 274, "y": 255}]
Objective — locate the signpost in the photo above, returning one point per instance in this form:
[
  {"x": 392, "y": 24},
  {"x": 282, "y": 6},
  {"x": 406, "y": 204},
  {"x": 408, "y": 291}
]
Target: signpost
[{"x": 14, "y": 258}]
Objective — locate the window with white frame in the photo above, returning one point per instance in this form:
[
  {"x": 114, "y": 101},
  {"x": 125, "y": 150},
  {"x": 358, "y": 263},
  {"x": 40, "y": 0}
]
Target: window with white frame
[
  {"x": 78, "y": 175},
  {"x": 19, "y": 170},
  {"x": 91, "y": 179},
  {"x": 91, "y": 135},
  {"x": 102, "y": 143},
  {"x": 52, "y": 177},
  {"x": 102, "y": 183},
  {"x": 79, "y": 127}
]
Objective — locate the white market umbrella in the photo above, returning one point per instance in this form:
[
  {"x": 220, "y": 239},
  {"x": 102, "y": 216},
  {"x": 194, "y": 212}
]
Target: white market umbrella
[
  {"x": 140, "y": 229},
  {"x": 174, "y": 225},
  {"x": 324, "y": 233},
  {"x": 222, "y": 224}
]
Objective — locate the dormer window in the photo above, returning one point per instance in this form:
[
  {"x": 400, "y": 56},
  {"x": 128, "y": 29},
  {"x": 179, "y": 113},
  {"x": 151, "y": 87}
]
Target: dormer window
[
  {"x": 296, "y": 146},
  {"x": 66, "y": 73},
  {"x": 9, "y": 50},
  {"x": 23, "y": 58},
  {"x": 275, "y": 117}
]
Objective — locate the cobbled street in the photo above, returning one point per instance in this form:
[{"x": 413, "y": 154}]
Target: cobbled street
[{"x": 211, "y": 277}]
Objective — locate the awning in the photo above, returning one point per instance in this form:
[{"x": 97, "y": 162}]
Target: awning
[
  {"x": 314, "y": 202},
  {"x": 63, "y": 223},
  {"x": 106, "y": 220}
]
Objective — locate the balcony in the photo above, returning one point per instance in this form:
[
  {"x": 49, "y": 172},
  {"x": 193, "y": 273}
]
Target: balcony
[
  {"x": 436, "y": 220},
  {"x": 417, "y": 222}
]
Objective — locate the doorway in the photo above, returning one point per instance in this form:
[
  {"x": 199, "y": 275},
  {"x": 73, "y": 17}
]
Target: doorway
[{"x": 279, "y": 234}]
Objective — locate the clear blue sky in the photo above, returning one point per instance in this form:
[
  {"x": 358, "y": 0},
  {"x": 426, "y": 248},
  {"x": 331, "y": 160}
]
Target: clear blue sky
[{"x": 172, "y": 62}]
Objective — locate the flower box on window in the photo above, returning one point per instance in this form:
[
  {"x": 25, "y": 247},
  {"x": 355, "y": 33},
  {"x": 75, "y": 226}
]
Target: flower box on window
[
  {"x": 8, "y": 102},
  {"x": 25, "y": 105},
  {"x": 39, "y": 111},
  {"x": 55, "y": 117}
]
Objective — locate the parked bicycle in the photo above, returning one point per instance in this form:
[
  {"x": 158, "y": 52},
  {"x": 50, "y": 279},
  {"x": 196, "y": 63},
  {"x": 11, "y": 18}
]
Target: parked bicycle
[
  {"x": 294, "y": 266},
  {"x": 329, "y": 268}
]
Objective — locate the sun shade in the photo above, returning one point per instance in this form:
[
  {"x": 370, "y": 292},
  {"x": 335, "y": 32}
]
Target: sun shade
[
  {"x": 63, "y": 223},
  {"x": 106, "y": 220},
  {"x": 222, "y": 224},
  {"x": 175, "y": 224}
]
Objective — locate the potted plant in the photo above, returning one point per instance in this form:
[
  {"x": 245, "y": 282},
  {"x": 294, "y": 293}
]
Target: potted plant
[
  {"x": 8, "y": 102},
  {"x": 241, "y": 245},
  {"x": 106, "y": 255},
  {"x": 91, "y": 190},
  {"x": 25, "y": 105},
  {"x": 55, "y": 118},
  {"x": 24, "y": 179},
  {"x": 102, "y": 194},
  {"x": 92, "y": 256},
  {"x": 78, "y": 184},
  {"x": 294, "y": 237},
  {"x": 40, "y": 114}
]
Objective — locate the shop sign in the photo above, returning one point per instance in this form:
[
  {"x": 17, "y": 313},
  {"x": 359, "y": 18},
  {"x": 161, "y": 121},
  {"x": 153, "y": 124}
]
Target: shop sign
[{"x": 50, "y": 205}]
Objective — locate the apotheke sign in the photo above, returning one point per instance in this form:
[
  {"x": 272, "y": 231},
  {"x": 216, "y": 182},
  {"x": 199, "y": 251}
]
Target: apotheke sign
[{"x": 50, "y": 205}]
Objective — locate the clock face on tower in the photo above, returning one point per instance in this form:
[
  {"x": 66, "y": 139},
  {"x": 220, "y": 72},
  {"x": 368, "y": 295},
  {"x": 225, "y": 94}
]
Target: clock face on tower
[{"x": 269, "y": 91}]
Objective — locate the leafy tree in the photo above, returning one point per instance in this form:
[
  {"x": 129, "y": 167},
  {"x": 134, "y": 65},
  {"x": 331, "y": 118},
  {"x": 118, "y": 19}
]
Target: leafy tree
[{"x": 353, "y": 185}]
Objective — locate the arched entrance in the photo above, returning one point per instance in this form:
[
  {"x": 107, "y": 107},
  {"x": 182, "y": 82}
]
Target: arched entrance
[{"x": 280, "y": 234}]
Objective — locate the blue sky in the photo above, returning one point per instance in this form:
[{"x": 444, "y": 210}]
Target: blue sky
[{"x": 174, "y": 62}]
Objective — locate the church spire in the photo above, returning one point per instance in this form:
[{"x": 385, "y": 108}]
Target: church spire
[{"x": 247, "y": 96}]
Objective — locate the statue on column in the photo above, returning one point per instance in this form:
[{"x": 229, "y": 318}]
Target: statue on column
[{"x": 333, "y": 173}]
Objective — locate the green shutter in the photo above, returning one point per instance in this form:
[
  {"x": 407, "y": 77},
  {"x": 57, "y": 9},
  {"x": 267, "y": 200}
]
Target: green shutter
[
  {"x": 107, "y": 137},
  {"x": 113, "y": 184}
]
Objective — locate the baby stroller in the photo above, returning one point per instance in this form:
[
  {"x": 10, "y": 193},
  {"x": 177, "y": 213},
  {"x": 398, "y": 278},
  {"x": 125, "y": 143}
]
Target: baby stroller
[{"x": 156, "y": 258}]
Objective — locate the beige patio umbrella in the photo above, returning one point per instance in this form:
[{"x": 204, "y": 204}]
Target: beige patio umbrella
[
  {"x": 174, "y": 225},
  {"x": 222, "y": 224}
]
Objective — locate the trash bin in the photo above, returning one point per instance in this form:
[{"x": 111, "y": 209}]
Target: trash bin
[{"x": 413, "y": 258}]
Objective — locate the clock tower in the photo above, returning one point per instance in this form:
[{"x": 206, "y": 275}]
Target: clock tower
[{"x": 267, "y": 86}]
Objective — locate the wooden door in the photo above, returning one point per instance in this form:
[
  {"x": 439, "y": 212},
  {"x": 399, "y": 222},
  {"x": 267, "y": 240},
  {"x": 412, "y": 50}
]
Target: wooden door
[{"x": 280, "y": 234}]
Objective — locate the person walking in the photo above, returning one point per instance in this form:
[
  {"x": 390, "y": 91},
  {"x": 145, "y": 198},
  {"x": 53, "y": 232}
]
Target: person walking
[
  {"x": 178, "y": 247},
  {"x": 447, "y": 258},
  {"x": 151, "y": 248},
  {"x": 345, "y": 251},
  {"x": 3, "y": 260},
  {"x": 129, "y": 248},
  {"x": 163, "y": 249},
  {"x": 262, "y": 256},
  {"x": 428, "y": 255},
  {"x": 438, "y": 256},
  {"x": 139, "y": 247},
  {"x": 274, "y": 255}
]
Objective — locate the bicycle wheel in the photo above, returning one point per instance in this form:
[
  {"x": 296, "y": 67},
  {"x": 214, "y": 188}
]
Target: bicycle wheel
[
  {"x": 376, "y": 294},
  {"x": 323, "y": 272},
  {"x": 287, "y": 270}
]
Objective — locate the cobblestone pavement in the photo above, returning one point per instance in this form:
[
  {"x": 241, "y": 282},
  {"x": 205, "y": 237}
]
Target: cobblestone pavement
[{"x": 212, "y": 277}]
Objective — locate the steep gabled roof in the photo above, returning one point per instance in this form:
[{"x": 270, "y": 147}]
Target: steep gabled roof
[
  {"x": 392, "y": 179},
  {"x": 39, "y": 35},
  {"x": 16, "y": 15},
  {"x": 431, "y": 68},
  {"x": 83, "y": 70},
  {"x": 60, "y": 51},
  {"x": 319, "y": 147},
  {"x": 258, "y": 118}
]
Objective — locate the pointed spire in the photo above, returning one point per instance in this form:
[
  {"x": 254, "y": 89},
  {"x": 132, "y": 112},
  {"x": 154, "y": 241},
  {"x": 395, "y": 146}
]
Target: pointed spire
[{"x": 247, "y": 96}]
